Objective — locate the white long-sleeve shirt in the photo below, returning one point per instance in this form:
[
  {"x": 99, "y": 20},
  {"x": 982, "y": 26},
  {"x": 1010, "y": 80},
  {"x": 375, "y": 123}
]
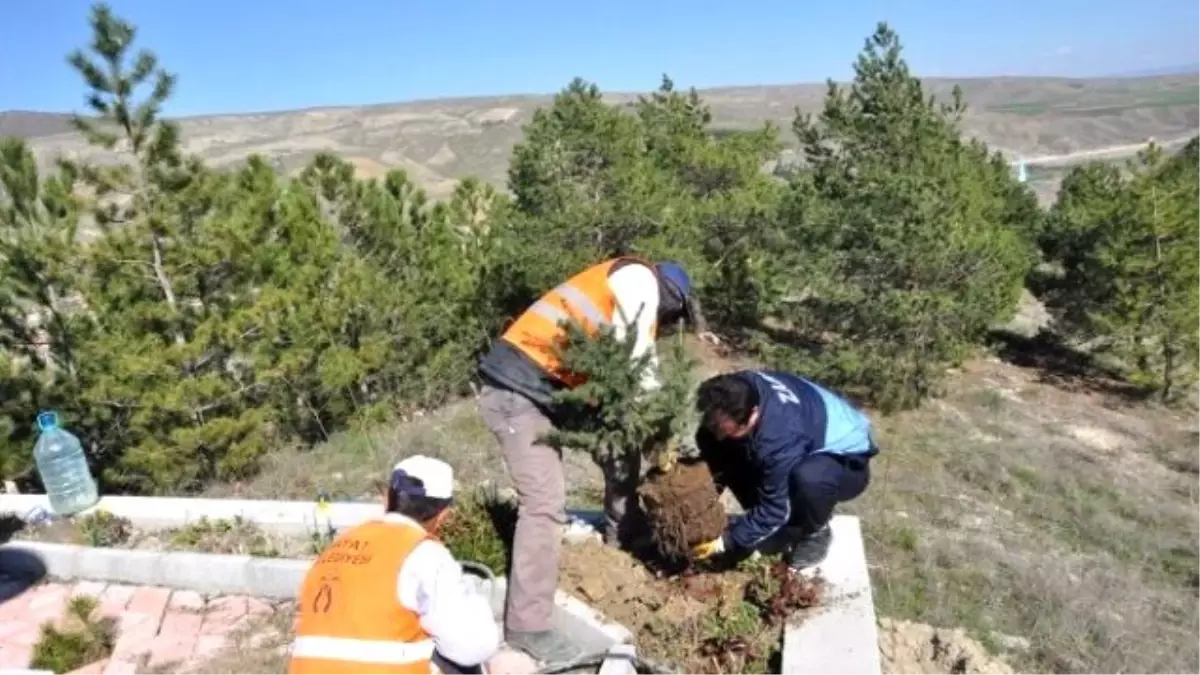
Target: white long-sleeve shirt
[
  {"x": 457, "y": 617},
  {"x": 635, "y": 287}
]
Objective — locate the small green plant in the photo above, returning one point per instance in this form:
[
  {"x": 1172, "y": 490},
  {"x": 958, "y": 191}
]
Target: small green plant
[
  {"x": 82, "y": 639},
  {"x": 103, "y": 529},
  {"x": 609, "y": 415},
  {"x": 480, "y": 529},
  {"x": 236, "y": 536}
]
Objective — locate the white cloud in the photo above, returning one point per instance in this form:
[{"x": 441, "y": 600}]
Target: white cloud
[{"x": 1063, "y": 50}]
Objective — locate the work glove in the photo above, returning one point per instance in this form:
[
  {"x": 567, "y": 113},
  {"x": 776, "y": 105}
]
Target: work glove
[{"x": 709, "y": 548}]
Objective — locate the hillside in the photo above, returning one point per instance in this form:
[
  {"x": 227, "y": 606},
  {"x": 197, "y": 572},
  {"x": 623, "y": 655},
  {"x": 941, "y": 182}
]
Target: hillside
[
  {"x": 439, "y": 141},
  {"x": 1017, "y": 507}
]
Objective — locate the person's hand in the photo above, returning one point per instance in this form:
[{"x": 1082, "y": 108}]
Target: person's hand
[
  {"x": 709, "y": 548},
  {"x": 710, "y": 337}
]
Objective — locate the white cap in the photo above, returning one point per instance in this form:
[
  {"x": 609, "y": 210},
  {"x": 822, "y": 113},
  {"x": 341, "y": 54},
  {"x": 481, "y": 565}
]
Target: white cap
[{"x": 436, "y": 476}]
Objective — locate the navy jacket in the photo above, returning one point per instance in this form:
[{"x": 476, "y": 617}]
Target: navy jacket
[{"x": 796, "y": 418}]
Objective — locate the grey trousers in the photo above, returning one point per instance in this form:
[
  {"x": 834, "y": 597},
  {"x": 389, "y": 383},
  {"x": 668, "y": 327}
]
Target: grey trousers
[{"x": 536, "y": 472}]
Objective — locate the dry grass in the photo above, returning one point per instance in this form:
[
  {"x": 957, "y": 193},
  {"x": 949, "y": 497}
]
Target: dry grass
[
  {"x": 350, "y": 466},
  {"x": 1013, "y": 508}
]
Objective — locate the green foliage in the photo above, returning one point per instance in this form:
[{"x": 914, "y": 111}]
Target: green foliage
[
  {"x": 906, "y": 232},
  {"x": 480, "y": 529},
  {"x": 186, "y": 320},
  {"x": 609, "y": 415},
  {"x": 1128, "y": 244},
  {"x": 236, "y": 536},
  {"x": 212, "y": 316},
  {"x": 83, "y": 640},
  {"x": 103, "y": 529}
]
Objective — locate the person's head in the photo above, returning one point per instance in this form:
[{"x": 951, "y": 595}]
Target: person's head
[
  {"x": 421, "y": 488},
  {"x": 728, "y": 405},
  {"x": 676, "y": 291}
]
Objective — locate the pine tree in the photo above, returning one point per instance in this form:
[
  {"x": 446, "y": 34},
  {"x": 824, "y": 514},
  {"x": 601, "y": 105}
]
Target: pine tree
[
  {"x": 909, "y": 222},
  {"x": 39, "y": 331},
  {"x": 1129, "y": 245},
  {"x": 609, "y": 415}
]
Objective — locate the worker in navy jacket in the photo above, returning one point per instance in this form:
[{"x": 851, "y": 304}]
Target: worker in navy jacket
[{"x": 789, "y": 450}]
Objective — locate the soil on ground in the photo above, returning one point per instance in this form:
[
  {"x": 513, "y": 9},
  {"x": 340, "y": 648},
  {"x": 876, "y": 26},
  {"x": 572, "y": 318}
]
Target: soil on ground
[
  {"x": 682, "y": 509},
  {"x": 908, "y": 647},
  {"x": 727, "y": 622}
]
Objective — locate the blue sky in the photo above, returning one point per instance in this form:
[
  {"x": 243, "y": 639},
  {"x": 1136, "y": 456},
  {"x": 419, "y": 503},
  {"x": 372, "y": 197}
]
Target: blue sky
[{"x": 254, "y": 55}]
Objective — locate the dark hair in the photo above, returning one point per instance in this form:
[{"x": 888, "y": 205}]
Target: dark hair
[
  {"x": 728, "y": 394},
  {"x": 418, "y": 507}
]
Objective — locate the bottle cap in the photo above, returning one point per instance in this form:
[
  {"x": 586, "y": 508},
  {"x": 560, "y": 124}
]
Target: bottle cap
[{"x": 47, "y": 420}]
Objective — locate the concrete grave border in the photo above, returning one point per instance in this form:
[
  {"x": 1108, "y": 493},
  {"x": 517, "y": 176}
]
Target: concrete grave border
[{"x": 841, "y": 637}]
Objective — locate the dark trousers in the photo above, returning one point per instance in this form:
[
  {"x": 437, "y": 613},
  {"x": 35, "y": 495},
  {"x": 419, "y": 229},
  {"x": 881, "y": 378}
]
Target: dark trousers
[
  {"x": 816, "y": 485},
  {"x": 447, "y": 666}
]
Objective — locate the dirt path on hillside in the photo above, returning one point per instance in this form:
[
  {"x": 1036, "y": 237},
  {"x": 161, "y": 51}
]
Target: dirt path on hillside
[{"x": 908, "y": 647}]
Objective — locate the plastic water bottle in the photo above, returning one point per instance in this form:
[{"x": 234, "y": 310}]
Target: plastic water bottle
[{"x": 63, "y": 467}]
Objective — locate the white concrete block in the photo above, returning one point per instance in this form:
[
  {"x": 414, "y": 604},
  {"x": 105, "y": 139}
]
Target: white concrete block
[
  {"x": 37, "y": 559},
  {"x": 278, "y": 578},
  {"x": 619, "y": 661},
  {"x": 207, "y": 573},
  {"x": 842, "y": 636},
  {"x": 121, "y": 566}
]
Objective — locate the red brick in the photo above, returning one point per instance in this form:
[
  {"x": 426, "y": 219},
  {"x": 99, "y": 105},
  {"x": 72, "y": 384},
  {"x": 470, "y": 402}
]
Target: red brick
[
  {"x": 93, "y": 668},
  {"x": 190, "y": 601},
  {"x": 92, "y": 588},
  {"x": 258, "y": 607},
  {"x": 15, "y": 656},
  {"x": 121, "y": 667},
  {"x": 167, "y": 650},
  {"x": 223, "y": 614},
  {"x": 25, "y": 635},
  {"x": 210, "y": 645},
  {"x": 149, "y": 600},
  {"x": 179, "y": 624},
  {"x": 15, "y": 607},
  {"x": 115, "y": 599}
]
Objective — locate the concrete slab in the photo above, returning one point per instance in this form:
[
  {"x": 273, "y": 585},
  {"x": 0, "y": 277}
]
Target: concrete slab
[
  {"x": 843, "y": 637},
  {"x": 288, "y": 518},
  {"x": 152, "y": 513},
  {"x": 620, "y": 661}
]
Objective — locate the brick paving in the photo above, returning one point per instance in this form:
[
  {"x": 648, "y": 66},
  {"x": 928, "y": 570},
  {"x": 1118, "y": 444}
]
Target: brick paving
[{"x": 157, "y": 628}]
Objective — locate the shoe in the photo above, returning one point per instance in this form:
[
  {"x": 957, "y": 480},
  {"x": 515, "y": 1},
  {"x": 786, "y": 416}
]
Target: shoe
[
  {"x": 544, "y": 646},
  {"x": 811, "y": 549}
]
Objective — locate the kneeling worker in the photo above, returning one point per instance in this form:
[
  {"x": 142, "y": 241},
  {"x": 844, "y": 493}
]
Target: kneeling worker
[
  {"x": 789, "y": 450},
  {"x": 387, "y": 597}
]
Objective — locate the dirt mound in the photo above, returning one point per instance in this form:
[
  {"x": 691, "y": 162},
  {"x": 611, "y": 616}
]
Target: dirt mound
[
  {"x": 682, "y": 509},
  {"x": 695, "y": 623},
  {"x": 908, "y": 647}
]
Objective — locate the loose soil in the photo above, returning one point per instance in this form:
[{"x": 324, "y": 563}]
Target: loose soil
[
  {"x": 908, "y": 647},
  {"x": 729, "y": 622},
  {"x": 682, "y": 509}
]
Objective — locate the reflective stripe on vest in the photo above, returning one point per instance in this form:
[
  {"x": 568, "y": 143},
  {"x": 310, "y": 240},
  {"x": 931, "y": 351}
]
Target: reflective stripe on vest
[
  {"x": 350, "y": 619},
  {"x": 362, "y": 651},
  {"x": 585, "y": 298}
]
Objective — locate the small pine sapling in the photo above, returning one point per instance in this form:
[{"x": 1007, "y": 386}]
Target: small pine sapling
[{"x": 610, "y": 415}]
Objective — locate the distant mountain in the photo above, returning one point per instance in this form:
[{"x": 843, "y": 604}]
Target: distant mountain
[
  {"x": 28, "y": 124},
  {"x": 1177, "y": 69}
]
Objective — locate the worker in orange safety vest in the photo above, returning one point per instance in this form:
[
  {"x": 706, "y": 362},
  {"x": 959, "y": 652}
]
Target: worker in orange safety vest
[
  {"x": 520, "y": 375},
  {"x": 387, "y": 597}
]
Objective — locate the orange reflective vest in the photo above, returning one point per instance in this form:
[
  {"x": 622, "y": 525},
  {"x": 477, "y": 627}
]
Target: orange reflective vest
[
  {"x": 584, "y": 298},
  {"x": 350, "y": 618}
]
